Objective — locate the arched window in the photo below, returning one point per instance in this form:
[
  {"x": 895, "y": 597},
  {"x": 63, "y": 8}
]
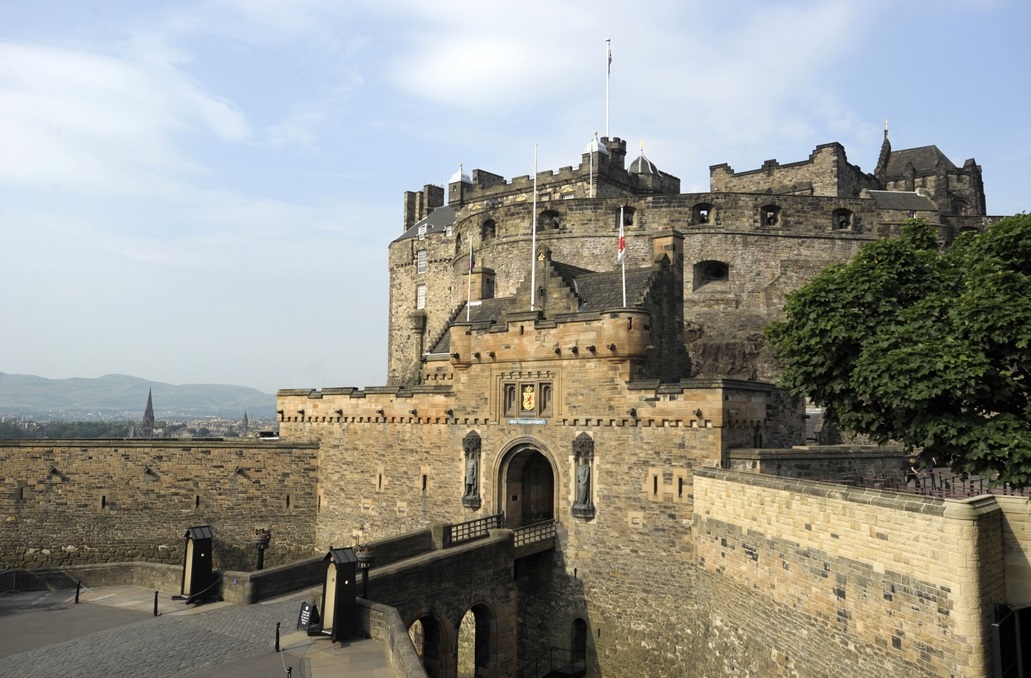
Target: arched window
[
  {"x": 701, "y": 214},
  {"x": 488, "y": 230},
  {"x": 711, "y": 271},
  {"x": 842, "y": 219},
  {"x": 769, "y": 215}
]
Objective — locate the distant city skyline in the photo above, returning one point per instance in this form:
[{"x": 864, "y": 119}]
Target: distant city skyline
[{"x": 203, "y": 192}]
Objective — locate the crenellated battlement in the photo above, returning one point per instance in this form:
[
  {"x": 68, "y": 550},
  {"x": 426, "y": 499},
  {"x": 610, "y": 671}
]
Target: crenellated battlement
[{"x": 616, "y": 335}]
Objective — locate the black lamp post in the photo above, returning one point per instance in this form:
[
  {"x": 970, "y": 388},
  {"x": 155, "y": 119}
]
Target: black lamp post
[
  {"x": 262, "y": 537},
  {"x": 366, "y": 561}
]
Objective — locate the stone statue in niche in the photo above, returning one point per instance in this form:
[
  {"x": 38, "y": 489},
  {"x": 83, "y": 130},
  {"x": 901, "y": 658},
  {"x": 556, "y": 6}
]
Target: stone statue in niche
[
  {"x": 583, "y": 483},
  {"x": 471, "y": 445},
  {"x": 583, "y": 453}
]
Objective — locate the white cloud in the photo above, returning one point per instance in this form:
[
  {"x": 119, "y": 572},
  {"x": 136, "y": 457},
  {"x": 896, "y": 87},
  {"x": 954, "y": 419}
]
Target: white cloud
[{"x": 91, "y": 122}]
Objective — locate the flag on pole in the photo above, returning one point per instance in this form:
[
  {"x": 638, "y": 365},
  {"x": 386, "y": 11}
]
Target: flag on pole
[
  {"x": 608, "y": 48},
  {"x": 621, "y": 257},
  {"x": 622, "y": 239},
  {"x": 469, "y": 284}
]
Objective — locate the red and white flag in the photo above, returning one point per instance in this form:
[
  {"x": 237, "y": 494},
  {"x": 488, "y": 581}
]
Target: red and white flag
[{"x": 622, "y": 239}]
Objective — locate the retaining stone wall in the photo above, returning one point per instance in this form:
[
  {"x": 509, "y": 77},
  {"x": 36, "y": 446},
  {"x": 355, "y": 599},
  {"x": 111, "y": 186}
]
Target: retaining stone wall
[
  {"x": 821, "y": 577},
  {"x": 87, "y": 501}
]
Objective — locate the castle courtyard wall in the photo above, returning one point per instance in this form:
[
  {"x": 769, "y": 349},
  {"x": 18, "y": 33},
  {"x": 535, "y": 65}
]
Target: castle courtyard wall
[
  {"x": 77, "y": 502},
  {"x": 816, "y": 579}
]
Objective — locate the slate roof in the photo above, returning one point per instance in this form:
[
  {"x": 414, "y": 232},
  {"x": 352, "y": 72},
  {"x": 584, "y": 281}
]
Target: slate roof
[
  {"x": 597, "y": 291},
  {"x": 902, "y": 200},
  {"x": 436, "y": 222},
  {"x": 568, "y": 272},
  {"x": 488, "y": 310},
  {"x": 923, "y": 159}
]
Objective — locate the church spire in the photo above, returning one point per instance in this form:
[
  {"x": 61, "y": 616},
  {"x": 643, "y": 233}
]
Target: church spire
[
  {"x": 881, "y": 171},
  {"x": 147, "y": 427}
]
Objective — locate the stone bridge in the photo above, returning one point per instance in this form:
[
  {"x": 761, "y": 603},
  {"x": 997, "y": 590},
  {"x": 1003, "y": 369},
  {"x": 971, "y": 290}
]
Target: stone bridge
[{"x": 470, "y": 569}]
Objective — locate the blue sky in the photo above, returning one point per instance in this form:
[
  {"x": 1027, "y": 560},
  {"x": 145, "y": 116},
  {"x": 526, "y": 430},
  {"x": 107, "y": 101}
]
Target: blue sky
[{"x": 204, "y": 192}]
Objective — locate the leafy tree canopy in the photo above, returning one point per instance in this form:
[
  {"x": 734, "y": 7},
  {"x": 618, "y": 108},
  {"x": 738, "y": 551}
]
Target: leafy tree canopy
[{"x": 927, "y": 347}]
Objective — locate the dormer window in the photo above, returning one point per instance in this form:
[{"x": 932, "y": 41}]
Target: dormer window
[
  {"x": 422, "y": 231},
  {"x": 770, "y": 215}
]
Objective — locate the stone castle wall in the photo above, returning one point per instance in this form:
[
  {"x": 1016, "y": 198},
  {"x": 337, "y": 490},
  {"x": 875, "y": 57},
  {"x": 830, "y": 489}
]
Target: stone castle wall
[
  {"x": 765, "y": 262},
  {"x": 826, "y": 172},
  {"x": 813, "y": 578},
  {"x": 399, "y": 472},
  {"x": 626, "y": 571},
  {"x": 81, "y": 502}
]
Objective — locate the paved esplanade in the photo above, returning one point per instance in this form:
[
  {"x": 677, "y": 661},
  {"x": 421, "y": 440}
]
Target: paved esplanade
[{"x": 112, "y": 633}]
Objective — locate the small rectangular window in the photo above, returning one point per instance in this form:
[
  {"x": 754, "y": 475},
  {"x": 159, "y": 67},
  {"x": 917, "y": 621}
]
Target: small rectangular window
[
  {"x": 420, "y": 296},
  {"x": 420, "y": 261}
]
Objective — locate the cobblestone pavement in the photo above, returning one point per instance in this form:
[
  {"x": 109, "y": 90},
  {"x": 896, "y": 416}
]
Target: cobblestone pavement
[{"x": 114, "y": 634}]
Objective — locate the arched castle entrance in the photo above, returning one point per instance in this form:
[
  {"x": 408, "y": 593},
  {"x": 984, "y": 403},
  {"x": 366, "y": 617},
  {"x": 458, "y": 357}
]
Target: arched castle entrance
[{"x": 527, "y": 483}]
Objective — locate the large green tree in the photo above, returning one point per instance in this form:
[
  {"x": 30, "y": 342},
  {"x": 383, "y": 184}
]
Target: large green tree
[{"x": 926, "y": 346}]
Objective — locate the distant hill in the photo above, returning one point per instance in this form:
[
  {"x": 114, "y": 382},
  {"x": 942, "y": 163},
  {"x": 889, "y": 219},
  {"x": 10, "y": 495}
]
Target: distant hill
[{"x": 118, "y": 395}]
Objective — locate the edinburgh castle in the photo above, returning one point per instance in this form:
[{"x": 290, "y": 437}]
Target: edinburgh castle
[{"x": 581, "y": 352}]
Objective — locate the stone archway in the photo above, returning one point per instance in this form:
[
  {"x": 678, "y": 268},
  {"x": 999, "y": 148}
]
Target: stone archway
[
  {"x": 429, "y": 636},
  {"x": 477, "y": 643},
  {"x": 527, "y": 483}
]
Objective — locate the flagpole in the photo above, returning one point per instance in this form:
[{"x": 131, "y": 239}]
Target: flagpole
[
  {"x": 533, "y": 240},
  {"x": 590, "y": 149},
  {"x": 469, "y": 290},
  {"x": 608, "y": 71},
  {"x": 622, "y": 253}
]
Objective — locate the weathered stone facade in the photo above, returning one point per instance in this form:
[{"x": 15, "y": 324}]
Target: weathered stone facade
[
  {"x": 78, "y": 502},
  {"x": 751, "y": 239},
  {"x": 554, "y": 398}
]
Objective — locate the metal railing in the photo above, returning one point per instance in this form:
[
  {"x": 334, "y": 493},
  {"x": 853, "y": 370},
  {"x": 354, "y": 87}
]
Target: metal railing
[
  {"x": 473, "y": 529},
  {"x": 552, "y": 659},
  {"x": 945, "y": 485},
  {"x": 529, "y": 534}
]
